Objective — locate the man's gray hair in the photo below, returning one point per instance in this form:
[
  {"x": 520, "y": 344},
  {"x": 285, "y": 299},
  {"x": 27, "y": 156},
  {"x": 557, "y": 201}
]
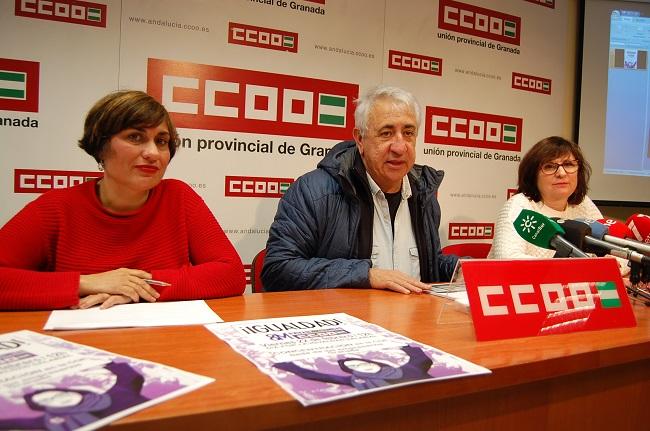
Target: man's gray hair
[{"x": 399, "y": 96}]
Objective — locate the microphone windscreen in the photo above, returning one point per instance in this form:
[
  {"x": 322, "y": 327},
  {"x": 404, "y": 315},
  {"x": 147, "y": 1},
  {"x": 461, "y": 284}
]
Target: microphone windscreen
[
  {"x": 575, "y": 232},
  {"x": 599, "y": 230},
  {"x": 617, "y": 228},
  {"x": 639, "y": 224},
  {"x": 536, "y": 228}
]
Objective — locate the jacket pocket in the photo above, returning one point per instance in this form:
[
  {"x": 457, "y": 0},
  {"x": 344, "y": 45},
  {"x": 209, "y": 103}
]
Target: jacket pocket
[{"x": 414, "y": 261}]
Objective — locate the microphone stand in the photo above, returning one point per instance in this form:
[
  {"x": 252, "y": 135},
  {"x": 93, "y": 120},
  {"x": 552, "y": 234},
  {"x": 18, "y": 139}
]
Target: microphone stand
[
  {"x": 639, "y": 276},
  {"x": 563, "y": 249}
]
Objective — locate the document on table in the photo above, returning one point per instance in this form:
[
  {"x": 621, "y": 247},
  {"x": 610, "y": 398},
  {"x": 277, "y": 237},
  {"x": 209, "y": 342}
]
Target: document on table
[
  {"x": 133, "y": 315},
  {"x": 327, "y": 357},
  {"x": 50, "y": 383},
  {"x": 455, "y": 291}
]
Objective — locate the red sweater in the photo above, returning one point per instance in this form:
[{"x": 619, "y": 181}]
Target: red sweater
[{"x": 65, "y": 233}]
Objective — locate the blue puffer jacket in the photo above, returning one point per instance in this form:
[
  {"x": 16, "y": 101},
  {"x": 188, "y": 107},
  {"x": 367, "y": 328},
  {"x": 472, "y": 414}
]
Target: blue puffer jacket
[{"x": 313, "y": 241}]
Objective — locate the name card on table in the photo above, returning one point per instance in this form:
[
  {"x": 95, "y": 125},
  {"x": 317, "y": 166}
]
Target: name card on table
[{"x": 530, "y": 297}]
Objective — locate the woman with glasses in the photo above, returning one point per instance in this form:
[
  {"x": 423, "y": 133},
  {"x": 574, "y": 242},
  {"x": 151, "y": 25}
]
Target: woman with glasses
[
  {"x": 129, "y": 236},
  {"x": 553, "y": 180}
]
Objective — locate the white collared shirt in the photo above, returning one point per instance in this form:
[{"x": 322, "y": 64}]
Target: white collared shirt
[{"x": 396, "y": 250}]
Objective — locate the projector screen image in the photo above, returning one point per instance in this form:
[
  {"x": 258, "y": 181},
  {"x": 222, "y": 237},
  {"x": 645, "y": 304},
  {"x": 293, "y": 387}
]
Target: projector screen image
[
  {"x": 628, "y": 95},
  {"x": 614, "y": 123}
]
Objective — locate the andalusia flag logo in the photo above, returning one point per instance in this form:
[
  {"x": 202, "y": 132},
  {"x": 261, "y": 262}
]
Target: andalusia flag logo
[
  {"x": 331, "y": 110},
  {"x": 94, "y": 14},
  {"x": 510, "y": 133},
  {"x": 19, "y": 83},
  {"x": 13, "y": 85},
  {"x": 608, "y": 294},
  {"x": 288, "y": 42},
  {"x": 510, "y": 28}
]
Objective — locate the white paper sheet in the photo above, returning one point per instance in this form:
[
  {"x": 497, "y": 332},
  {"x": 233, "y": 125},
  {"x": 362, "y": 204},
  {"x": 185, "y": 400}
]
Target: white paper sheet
[
  {"x": 455, "y": 291},
  {"x": 460, "y": 297},
  {"x": 130, "y": 315}
]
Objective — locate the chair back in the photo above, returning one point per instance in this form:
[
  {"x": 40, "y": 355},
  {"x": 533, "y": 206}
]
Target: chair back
[
  {"x": 477, "y": 250},
  {"x": 256, "y": 272}
]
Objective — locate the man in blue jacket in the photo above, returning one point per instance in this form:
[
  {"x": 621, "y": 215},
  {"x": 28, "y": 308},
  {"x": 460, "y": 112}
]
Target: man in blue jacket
[{"x": 368, "y": 216}]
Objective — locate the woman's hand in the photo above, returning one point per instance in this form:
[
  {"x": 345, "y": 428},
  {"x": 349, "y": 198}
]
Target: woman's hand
[
  {"x": 106, "y": 300},
  {"x": 126, "y": 282}
]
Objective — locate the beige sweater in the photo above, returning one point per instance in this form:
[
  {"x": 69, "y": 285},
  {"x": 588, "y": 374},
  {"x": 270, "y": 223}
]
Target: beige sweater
[{"x": 507, "y": 243}]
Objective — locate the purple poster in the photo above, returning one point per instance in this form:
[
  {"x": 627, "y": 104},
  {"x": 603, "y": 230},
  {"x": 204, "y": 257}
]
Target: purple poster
[
  {"x": 327, "y": 357},
  {"x": 52, "y": 384}
]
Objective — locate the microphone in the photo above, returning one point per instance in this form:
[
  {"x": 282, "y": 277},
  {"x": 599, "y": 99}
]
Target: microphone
[
  {"x": 543, "y": 232},
  {"x": 639, "y": 224},
  {"x": 579, "y": 233},
  {"x": 616, "y": 228},
  {"x": 638, "y": 273},
  {"x": 618, "y": 233}
]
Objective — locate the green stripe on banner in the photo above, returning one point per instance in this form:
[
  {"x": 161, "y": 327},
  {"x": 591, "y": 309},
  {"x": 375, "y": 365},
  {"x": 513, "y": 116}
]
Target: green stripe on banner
[
  {"x": 605, "y": 285},
  {"x": 12, "y": 94},
  {"x": 545, "y": 86},
  {"x": 435, "y": 66},
  {"x": 608, "y": 294},
  {"x": 12, "y": 76},
  {"x": 332, "y": 100},
  {"x": 331, "y": 119},
  {"x": 510, "y": 28},
  {"x": 610, "y": 303},
  {"x": 288, "y": 41},
  {"x": 509, "y": 133},
  {"x": 332, "y": 110},
  {"x": 94, "y": 14},
  {"x": 284, "y": 187}
]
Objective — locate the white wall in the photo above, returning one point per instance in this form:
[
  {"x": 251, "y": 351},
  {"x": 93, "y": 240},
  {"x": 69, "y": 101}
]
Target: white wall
[{"x": 340, "y": 47}]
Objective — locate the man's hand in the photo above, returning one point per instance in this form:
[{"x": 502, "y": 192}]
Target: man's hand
[
  {"x": 391, "y": 279},
  {"x": 123, "y": 281}
]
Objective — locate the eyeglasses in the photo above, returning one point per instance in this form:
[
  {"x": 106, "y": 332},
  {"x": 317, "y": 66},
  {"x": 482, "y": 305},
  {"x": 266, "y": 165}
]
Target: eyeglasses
[{"x": 569, "y": 166}]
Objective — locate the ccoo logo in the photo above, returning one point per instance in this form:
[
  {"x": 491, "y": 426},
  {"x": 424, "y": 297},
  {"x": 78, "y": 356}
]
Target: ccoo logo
[
  {"x": 222, "y": 98},
  {"x": 446, "y": 126},
  {"x": 550, "y": 297},
  {"x": 536, "y": 84},
  {"x": 40, "y": 181},
  {"x": 262, "y": 37},
  {"x": 256, "y": 187},
  {"x": 477, "y": 21},
  {"x": 414, "y": 62},
  {"x": 71, "y": 11},
  {"x": 471, "y": 230}
]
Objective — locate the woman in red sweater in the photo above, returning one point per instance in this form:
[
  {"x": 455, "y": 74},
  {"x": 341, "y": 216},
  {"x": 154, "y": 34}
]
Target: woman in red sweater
[{"x": 104, "y": 241}]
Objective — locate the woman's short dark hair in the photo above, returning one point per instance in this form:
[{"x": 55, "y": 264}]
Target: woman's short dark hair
[
  {"x": 544, "y": 151},
  {"x": 119, "y": 111}
]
